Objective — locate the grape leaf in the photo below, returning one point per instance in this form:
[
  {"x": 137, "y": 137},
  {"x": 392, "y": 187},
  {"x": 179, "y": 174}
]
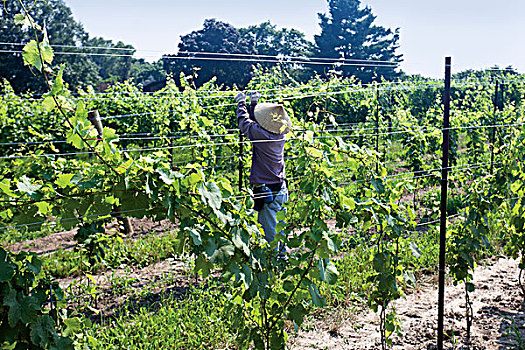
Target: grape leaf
[
  {"x": 37, "y": 55},
  {"x": 220, "y": 251},
  {"x": 26, "y": 186},
  {"x": 64, "y": 180},
  {"x": 327, "y": 271},
  {"x": 7, "y": 269},
  {"x": 15, "y": 309},
  {"x": 317, "y": 299},
  {"x": 42, "y": 331},
  {"x": 241, "y": 240},
  {"x": 211, "y": 194},
  {"x": 24, "y": 21},
  {"x": 5, "y": 186}
]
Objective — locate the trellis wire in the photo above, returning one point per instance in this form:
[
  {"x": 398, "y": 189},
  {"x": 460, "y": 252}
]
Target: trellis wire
[
  {"x": 428, "y": 129},
  {"x": 239, "y": 59}
]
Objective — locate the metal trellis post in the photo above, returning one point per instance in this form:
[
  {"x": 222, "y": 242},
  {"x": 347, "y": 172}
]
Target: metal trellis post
[
  {"x": 493, "y": 130},
  {"x": 172, "y": 132},
  {"x": 502, "y": 99},
  {"x": 377, "y": 127},
  {"x": 443, "y": 218},
  {"x": 53, "y": 312},
  {"x": 241, "y": 161}
]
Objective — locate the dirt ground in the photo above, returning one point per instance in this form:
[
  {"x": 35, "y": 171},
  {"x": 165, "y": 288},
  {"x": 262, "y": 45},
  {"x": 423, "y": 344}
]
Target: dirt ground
[
  {"x": 65, "y": 240},
  {"x": 495, "y": 302}
]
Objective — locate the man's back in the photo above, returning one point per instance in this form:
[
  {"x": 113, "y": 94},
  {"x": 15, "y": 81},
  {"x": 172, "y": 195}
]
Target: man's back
[{"x": 268, "y": 149}]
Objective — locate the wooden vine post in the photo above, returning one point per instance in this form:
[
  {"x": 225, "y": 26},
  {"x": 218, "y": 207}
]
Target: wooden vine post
[
  {"x": 94, "y": 118},
  {"x": 443, "y": 218}
]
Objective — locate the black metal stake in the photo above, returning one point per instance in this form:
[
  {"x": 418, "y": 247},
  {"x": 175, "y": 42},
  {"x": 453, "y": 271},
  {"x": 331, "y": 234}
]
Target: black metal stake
[
  {"x": 443, "y": 219},
  {"x": 241, "y": 162},
  {"x": 377, "y": 127},
  {"x": 493, "y": 129},
  {"x": 172, "y": 133},
  {"x": 172, "y": 150},
  {"x": 53, "y": 313},
  {"x": 501, "y": 106}
]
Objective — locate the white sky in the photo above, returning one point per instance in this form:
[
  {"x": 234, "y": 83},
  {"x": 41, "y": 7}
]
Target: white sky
[{"x": 476, "y": 33}]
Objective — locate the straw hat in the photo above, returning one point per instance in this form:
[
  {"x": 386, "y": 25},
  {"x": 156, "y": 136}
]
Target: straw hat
[{"x": 273, "y": 118}]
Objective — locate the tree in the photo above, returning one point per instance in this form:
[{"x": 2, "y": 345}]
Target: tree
[
  {"x": 149, "y": 75},
  {"x": 114, "y": 65},
  {"x": 268, "y": 40},
  {"x": 62, "y": 30},
  {"x": 68, "y": 36},
  {"x": 284, "y": 43},
  {"x": 216, "y": 37},
  {"x": 347, "y": 31}
]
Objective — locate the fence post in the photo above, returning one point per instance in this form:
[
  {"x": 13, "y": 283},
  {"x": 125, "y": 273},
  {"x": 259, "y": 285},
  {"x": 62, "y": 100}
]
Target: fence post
[
  {"x": 501, "y": 105},
  {"x": 443, "y": 218},
  {"x": 241, "y": 161},
  {"x": 94, "y": 118},
  {"x": 377, "y": 127},
  {"x": 391, "y": 110},
  {"x": 171, "y": 136},
  {"x": 493, "y": 129},
  {"x": 53, "y": 311}
]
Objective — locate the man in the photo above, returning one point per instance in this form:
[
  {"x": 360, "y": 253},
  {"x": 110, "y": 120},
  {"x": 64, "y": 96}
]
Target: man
[{"x": 265, "y": 125}]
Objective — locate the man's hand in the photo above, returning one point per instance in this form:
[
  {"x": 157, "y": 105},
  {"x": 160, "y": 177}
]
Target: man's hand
[
  {"x": 254, "y": 96},
  {"x": 241, "y": 97}
]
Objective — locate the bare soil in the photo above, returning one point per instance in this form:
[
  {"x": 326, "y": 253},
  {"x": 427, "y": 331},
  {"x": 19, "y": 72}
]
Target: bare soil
[
  {"x": 495, "y": 302},
  {"x": 64, "y": 240},
  {"x": 130, "y": 286}
]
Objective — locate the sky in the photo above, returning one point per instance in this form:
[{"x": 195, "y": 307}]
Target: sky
[{"x": 476, "y": 33}]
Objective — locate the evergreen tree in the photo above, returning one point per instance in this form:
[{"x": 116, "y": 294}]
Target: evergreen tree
[{"x": 348, "y": 31}]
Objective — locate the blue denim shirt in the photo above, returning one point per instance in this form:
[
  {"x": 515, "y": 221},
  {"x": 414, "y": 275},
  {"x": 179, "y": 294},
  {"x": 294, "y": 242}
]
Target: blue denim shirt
[{"x": 268, "y": 149}]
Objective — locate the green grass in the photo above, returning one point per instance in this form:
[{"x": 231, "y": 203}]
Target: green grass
[
  {"x": 199, "y": 321},
  {"x": 354, "y": 265},
  {"x": 18, "y": 235},
  {"x": 140, "y": 252}
]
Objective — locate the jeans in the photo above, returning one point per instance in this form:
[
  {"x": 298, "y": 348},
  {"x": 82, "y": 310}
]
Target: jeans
[{"x": 268, "y": 214}]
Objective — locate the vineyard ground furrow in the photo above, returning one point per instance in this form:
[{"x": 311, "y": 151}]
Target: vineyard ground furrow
[
  {"x": 64, "y": 240},
  {"x": 173, "y": 270},
  {"x": 496, "y": 297}
]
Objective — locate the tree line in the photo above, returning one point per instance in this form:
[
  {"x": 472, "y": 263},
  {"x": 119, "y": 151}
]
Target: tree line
[{"x": 347, "y": 31}]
